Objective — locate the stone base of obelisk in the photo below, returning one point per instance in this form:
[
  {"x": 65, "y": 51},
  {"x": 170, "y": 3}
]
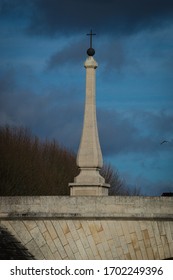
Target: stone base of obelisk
[
  {"x": 88, "y": 190},
  {"x": 89, "y": 183}
]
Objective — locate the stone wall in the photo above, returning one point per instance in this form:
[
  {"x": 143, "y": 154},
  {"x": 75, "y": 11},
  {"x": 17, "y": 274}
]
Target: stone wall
[{"x": 91, "y": 227}]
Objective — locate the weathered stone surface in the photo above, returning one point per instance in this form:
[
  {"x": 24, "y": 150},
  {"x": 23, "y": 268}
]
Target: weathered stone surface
[
  {"x": 102, "y": 228},
  {"x": 89, "y": 182},
  {"x": 87, "y": 207}
]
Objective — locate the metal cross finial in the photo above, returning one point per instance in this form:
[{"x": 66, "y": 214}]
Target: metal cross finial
[{"x": 91, "y": 34}]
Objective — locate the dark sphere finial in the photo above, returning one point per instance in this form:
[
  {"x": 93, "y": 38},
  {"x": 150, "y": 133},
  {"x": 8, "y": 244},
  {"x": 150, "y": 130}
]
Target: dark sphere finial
[{"x": 90, "y": 52}]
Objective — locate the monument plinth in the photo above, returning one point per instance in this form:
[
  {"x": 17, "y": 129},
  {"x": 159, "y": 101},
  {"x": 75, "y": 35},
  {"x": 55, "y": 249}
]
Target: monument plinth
[{"x": 89, "y": 158}]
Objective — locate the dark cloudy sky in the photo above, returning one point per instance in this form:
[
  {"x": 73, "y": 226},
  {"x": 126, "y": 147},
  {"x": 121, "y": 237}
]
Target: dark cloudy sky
[{"x": 43, "y": 46}]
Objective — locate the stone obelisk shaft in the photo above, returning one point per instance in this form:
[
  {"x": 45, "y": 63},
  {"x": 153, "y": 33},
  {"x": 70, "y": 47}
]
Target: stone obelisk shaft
[
  {"x": 89, "y": 158},
  {"x": 89, "y": 154}
]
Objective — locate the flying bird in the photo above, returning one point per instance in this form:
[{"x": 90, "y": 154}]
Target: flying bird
[{"x": 163, "y": 142}]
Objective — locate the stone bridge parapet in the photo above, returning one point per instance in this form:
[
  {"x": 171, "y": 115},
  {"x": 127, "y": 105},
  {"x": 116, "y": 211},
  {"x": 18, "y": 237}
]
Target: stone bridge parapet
[{"x": 110, "y": 227}]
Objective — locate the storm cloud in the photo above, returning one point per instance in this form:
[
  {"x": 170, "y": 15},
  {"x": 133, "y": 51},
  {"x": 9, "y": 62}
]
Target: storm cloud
[
  {"x": 50, "y": 112},
  {"x": 112, "y": 16},
  {"x": 124, "y": 134},
  {"x": 42, "y": 79},
  {"x": 118, "y": 17}
]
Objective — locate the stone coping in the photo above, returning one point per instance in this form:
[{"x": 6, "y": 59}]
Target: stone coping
[{"x": 66, "y": 207}]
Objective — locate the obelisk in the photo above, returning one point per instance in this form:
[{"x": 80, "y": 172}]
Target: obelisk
[{"x": 89, "y": 182}]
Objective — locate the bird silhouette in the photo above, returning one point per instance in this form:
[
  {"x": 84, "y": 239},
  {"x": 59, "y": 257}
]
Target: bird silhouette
[{"x": 163, "y": 142}]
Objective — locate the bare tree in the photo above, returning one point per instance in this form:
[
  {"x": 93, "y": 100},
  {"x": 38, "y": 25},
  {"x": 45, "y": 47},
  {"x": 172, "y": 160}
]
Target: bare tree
[
  {"x": 29, "y": 166},
  {"x": 118, "y": 186}
]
